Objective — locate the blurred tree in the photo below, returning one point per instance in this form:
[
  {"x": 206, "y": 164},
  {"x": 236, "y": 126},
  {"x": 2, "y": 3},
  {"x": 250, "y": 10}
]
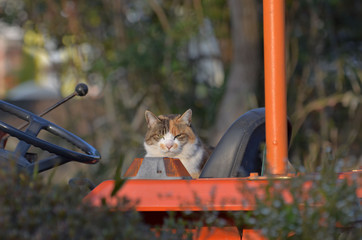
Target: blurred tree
[
  {"x": 134, "y": 54},
  {"x": 325, "y": 71},
  {"x": 240, "y": 91}
]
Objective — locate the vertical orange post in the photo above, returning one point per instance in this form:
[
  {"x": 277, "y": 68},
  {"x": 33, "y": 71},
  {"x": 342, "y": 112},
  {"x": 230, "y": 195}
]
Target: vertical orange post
[{"x": 275, "y": 86}]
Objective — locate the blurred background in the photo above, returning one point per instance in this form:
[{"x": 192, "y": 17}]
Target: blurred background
[{"x": 168, "y": 56}]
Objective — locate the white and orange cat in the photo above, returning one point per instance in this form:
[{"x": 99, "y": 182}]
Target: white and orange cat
[{"x": 172, "y": 136}]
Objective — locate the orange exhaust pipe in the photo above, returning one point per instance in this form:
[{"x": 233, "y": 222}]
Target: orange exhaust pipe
[{"x": 275, "y": 86}]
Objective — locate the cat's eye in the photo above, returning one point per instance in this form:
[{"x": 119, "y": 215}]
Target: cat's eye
[
  {"x": 178, "y": 136},
  {"x": 158, "y": 136}
]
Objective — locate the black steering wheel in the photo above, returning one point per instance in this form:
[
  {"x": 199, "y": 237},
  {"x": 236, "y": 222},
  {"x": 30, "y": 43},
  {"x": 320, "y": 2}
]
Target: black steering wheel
[{"x": 29, "y": 137}]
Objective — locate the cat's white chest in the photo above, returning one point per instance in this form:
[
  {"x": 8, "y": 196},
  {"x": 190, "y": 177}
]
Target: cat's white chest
[{"x": 191, "y": 157}]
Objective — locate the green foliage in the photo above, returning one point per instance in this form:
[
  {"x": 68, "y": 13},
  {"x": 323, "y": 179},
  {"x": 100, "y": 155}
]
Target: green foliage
[
  {"x": 321, "y": 206},
  {"x": 119, "y": 181},
  {"x": 31, "y": 209},
  {"x": 34, "y": 208},
  {"x": 27, "y": 70}
]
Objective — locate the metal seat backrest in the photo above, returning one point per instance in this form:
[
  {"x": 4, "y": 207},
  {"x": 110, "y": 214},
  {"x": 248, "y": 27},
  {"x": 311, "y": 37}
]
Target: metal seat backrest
[{"x": 238, "y": 152}]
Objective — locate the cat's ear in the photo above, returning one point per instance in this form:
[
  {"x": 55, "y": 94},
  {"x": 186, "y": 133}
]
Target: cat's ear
[
  {"x": 186, "y": 117},
  {"x": 151, "y": 119}
]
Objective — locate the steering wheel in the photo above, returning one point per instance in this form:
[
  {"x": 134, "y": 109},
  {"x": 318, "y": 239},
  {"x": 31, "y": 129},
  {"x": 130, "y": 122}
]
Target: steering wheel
[{"x": 29, "y": 137}]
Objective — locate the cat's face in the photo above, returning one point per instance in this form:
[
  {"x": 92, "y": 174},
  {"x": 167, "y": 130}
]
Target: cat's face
[{"x": 168, "y": 134}]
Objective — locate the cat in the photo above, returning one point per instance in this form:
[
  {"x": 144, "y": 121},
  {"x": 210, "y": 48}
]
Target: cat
[{"x": 173, "y": 136}]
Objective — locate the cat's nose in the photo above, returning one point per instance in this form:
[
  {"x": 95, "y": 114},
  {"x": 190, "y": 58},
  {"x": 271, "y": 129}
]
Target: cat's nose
[{"x": 169, "y": 145}]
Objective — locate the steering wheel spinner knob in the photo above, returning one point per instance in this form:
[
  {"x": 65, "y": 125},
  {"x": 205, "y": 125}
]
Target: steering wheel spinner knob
[{"x": 81, "y": 89}]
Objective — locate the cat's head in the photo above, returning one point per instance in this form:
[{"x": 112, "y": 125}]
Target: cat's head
[{"x": 168, "y": 134}]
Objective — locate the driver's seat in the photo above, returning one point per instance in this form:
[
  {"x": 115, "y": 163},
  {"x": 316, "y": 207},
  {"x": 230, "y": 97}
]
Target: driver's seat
[{"x": 238, "y": 152}]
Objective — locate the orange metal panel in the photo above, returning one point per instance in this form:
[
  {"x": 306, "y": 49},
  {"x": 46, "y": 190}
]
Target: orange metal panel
[
  {"x": 181, "y": 195},
  {"x": 252, "y": 234},
  {"x": 174, "y": 168},
  {"x": 275, "y": 86},
  {"x": 134, "y": 167},
  {"x": 223, "y": 194}
]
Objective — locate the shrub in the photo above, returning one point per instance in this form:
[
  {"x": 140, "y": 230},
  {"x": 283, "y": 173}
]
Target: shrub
[
  {"x": 323, "y": 207},
  {"x": 33, "y": 209}
]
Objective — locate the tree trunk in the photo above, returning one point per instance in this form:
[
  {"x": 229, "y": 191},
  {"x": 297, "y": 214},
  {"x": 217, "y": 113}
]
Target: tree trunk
[{"x": 241, "y": 85}]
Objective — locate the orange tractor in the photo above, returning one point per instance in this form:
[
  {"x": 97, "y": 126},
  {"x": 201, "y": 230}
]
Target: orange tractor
[{"x": 233, "y": 177}]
